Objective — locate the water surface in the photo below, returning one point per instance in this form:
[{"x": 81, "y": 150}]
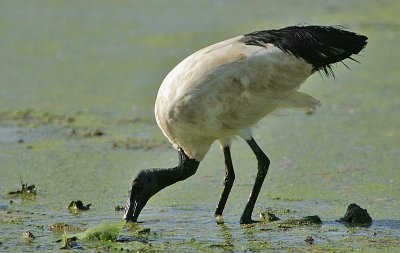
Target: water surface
[{"x": 70, "y": 68}]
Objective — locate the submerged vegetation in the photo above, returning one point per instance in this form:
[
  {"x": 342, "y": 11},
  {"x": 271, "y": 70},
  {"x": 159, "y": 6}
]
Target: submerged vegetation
[
  {"x": 78, "y": 82},
  {"x": 60, "y": 227},
  {"x": 26, "y": 190},
  {"x": 79, "y": 126},
  {"x": 76, "y": 206},
  {"x": 106, "y": 231}
]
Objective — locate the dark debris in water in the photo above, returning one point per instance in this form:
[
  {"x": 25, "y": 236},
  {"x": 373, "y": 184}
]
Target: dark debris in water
[
  {"x": 34, "y": 118},
  {"x": 356, "y": 216},
  {"x": 268, "y": 216},
  {"x": 28, "y": 235},
  {"x": 94, "y": 133},
  {"x": 309, "y": 240},
  {"x": 25, "y": 190},
  {"x": 127, "y": 238},
  {"x": 225, "y": 246},
  {"x": 79, "y": 125},
  {"x": 137, "y": 229},
  {"x": 119, "y": 208},
  {"x": 143, "y": 231},
  {"x": 12, "y": 217},
  {"x": 78, "y": 206},
  {"x": 139, "y": 143},
  {"x": 85, "y": 133},
  {"x": 62, "y": 227},
  {"x": 313, "y": 220},
  {"x": 70, "y": 243}
]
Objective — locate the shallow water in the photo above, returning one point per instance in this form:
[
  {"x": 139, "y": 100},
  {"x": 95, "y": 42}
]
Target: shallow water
[{"x": 67, "y": 69}]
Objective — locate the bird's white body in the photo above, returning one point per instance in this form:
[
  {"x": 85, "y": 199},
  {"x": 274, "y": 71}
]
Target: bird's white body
[{"x": 222, "y": 90}]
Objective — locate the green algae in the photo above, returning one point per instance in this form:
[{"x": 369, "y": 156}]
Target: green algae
[
  {"x": 34, "y": 118},
  {"x": 132, "y": 143},
  {"x": 11, "y": 217},
  {"x": 76, "y": 206},
  {"x": 268, "y": 217},
  {"x": 313, "y": 220},
  {"x": 97, "y": 66},
  {"x": 106, "y": 231},
  {"x": 61, "y": 227}
]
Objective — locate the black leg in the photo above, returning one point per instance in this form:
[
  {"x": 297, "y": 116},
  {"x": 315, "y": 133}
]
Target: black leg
[
  {"x": 263, "y": 164},
  {"x": 228, "y": 181}
]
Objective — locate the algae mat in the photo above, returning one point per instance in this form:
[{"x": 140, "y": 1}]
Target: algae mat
[{"x": 78, "y": 81}]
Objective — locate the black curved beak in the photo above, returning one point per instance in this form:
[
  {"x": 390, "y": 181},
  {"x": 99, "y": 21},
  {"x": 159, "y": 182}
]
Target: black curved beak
[{"x": 133, "y": 209}]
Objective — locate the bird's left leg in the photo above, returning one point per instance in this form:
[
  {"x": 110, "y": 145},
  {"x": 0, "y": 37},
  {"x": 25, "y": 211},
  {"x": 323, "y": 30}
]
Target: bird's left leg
[
  {"x": 228, "y": 181},
  {"x": 263, "y": 164}
]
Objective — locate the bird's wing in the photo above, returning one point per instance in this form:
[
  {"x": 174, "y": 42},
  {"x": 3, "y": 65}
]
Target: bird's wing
[{"x": 233, "y": 85}]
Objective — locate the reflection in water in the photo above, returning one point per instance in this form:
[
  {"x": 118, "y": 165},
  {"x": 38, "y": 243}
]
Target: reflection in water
[{"x": 226, "y": 235}]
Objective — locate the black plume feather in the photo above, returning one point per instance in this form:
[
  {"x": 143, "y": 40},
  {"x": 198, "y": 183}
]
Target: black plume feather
[{"x": 318, "y": 45}]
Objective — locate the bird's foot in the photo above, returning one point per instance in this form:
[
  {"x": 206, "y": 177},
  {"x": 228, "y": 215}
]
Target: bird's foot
[
  {"x": 219, "y": 219},
  {"x": 247, "y": 221}
]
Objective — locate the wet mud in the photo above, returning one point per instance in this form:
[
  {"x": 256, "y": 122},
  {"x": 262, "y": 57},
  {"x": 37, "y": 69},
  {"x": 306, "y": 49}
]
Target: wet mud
[
  {"x": 355, "y": 215},
  {"x": 78, "y": 85}
]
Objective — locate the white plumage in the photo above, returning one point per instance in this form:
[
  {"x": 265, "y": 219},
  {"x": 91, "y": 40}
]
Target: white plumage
[{"x": 224, "y": 89}]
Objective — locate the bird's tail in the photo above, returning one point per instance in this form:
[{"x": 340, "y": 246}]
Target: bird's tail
[{"x": 317, "y": 45}]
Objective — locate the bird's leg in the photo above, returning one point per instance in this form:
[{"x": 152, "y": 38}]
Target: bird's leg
[
  {"x": 228, "y": 181},
  {"x": 263, "y": 164}
]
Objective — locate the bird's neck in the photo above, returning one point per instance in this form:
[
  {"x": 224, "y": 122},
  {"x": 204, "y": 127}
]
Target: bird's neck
[{"x": 187, "y": 167}]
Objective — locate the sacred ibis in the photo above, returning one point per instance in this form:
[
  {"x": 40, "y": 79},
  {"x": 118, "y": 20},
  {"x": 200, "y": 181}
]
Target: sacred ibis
[{"x": 223, "y": 90}]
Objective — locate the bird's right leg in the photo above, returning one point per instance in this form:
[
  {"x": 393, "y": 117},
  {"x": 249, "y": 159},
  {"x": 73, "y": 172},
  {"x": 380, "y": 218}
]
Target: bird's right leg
[
  {"x": 228, "y": 181},
  {"x": 263, "y": 164}
]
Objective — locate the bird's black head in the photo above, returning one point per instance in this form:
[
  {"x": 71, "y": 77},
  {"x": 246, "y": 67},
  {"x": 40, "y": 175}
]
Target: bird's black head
[
  {"x": 144, "y": 185},
  {"x": 148, "y": 182}
]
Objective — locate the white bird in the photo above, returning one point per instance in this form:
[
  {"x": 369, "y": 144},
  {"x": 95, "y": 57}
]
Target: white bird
[{"x": 221, "y": 91}]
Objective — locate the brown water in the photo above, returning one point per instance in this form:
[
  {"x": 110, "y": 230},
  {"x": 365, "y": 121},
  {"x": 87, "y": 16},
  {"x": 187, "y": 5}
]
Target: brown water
[{"x": 69, "y": 68}]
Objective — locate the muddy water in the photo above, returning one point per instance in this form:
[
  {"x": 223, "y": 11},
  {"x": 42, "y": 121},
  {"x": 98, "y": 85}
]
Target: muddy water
[{"x": 78, "y": 82}]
